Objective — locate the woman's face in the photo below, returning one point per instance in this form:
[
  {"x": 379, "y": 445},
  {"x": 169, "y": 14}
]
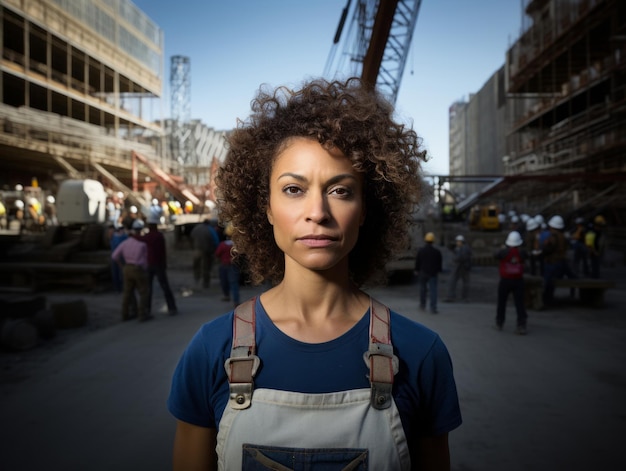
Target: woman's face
[{"x": 316, "y": 205}]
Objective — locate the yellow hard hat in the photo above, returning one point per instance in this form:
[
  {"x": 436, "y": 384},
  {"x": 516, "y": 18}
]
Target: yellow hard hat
[
  {"x": 599, "y": 219},
  {"x": 429, "y": 237}
]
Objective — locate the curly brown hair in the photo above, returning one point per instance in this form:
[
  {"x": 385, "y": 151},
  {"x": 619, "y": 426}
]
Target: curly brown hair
[{"x": 349, "y": 116}]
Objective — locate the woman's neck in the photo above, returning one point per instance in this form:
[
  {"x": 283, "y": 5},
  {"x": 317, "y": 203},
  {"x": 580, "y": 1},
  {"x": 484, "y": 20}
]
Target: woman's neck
[{"x": 315, "y": 307}]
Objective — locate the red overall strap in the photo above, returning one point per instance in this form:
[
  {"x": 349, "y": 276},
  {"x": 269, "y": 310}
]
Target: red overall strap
[
  {"x": 243, "y": 363},
  {"x": 382, "y": 363}
]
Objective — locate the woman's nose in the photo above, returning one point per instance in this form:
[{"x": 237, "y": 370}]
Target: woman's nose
[{"x": 317, "y": 208}]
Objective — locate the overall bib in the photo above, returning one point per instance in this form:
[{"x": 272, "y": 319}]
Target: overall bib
[{"x": 266, "y": 429}]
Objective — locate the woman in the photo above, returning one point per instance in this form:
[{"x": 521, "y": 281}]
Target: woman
[{"x": 319, "y": 185}]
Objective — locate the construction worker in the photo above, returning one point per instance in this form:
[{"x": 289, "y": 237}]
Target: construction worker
[
  {"x": 543, "y": 235},
  {"x": 428, "y": 264},
  {"x": 531, "y": 241},
  {"x": 157, "y": 262},
  {"x": 132, "y": 255},
  {"x": 511, "y": 269},
  {"x": 594, "y": 241},
  {"x": 19, "y": 215},
  {"x": 188, "y": 207},
  {"x": 129, "y": 217},
  {"x": 462, "y": 262},
  {"x": 578, "y": 246},
  {"x": 555, "y": 257},
  {"x": 35, "y": 220}
]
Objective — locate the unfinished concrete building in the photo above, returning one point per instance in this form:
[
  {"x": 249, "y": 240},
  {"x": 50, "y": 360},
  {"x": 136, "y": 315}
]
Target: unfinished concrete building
[
  {"x": 78, "y": 84},
  {"x": 566, "y": 146}
]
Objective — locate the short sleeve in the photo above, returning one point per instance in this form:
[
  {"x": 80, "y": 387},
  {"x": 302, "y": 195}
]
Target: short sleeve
[{"x": 440, "y": 410}]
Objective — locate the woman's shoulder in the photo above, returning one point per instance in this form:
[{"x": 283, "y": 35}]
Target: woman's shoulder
[
  {"x": 214, "y": 336},
  {"x": 413, "y": 340},
  {"x": 403, "y": 326}
]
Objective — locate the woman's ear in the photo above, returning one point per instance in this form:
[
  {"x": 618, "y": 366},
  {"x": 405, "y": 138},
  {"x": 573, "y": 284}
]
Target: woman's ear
[{"x": 270, "y": 218}]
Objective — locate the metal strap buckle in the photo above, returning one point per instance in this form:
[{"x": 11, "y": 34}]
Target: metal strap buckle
[
  {"x": 381, "y": 390},
  {"x": 380, "y": 397},
  {"x": 240, "y": 395},
  {"x": 385, "y": 350},
  {"x": 241, "y": 391}
]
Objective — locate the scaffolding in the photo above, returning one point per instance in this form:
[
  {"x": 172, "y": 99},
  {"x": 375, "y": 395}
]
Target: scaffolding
[{"x": 567, "y": 88}]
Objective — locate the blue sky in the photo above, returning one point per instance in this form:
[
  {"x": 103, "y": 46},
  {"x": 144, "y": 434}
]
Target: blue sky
[{"x": 237, "y": 45}]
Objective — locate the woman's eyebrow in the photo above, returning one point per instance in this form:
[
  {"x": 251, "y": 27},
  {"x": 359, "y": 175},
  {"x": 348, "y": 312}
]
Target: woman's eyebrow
[
  {"x": 291, "y": 175},
  {"x": 330, "y": 181}
]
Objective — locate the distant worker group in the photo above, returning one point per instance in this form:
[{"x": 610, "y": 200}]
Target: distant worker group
[{"x": 532, "y": 246}]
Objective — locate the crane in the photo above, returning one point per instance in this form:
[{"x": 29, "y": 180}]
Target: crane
[{"x": 377, "y": 42}]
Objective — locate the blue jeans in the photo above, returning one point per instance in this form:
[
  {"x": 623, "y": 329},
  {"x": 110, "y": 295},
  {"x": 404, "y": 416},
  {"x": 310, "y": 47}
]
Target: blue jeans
[
  {"x": 581, "y": 257},
  {"x": 428, "y": 283},
  {"x": 229, "y": 280},
  {"x": 117, "y": 278}
]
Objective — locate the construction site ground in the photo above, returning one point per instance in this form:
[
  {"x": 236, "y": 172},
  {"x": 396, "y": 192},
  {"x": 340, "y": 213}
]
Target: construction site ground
[{"x": 93, "y": 397}]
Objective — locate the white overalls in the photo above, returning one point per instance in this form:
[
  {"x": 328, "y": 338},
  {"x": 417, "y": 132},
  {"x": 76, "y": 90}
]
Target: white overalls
[{"x": 269, "y": 429}]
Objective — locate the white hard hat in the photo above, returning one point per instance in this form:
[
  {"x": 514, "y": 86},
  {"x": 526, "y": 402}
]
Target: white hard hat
[
  {"x": 50, "y": 199},
  {"x": 514, "y": 219},
  {"x": 524, "y": 218},
  {"x": 460, "y": 238},
  {"x": 513, "y": 239},
  {"x": 133, "y": 209},
  {"x": 556, "y": 222},
  {"x": 531, "y": 224},
  {"x": 539, "y": 219},
  {"x": 155, "y": 201},
  {"x": 19, "y": 204},
  {"x": 511, "y": 213}
]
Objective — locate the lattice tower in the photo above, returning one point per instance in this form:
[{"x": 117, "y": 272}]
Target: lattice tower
[{"x": 180, "y": 87}]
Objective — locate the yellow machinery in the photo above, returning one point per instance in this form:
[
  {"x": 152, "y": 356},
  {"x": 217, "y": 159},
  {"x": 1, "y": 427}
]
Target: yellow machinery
[{"x": 485, "y": 218}]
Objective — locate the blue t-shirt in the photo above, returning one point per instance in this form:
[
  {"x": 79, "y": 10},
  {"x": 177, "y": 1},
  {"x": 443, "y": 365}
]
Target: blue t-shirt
[{"x": 424, "y": 389}]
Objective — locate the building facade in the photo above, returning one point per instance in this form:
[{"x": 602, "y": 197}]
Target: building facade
[
  {"x": 552, "y": 122},
  {"x": 567, "y": 88},
  {"x": 457, "y": 133},
  {"x": 477, "y": 130},
  {"x": 79, "y": 81}
]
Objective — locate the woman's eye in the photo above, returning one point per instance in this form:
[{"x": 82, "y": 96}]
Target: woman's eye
[
  {"x": 292, "y": 190},
  {"x": 341, "y": 191}
]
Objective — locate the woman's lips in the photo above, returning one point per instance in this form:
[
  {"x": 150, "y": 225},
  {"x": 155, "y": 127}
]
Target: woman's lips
[{"x": 314, "y": 240}]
